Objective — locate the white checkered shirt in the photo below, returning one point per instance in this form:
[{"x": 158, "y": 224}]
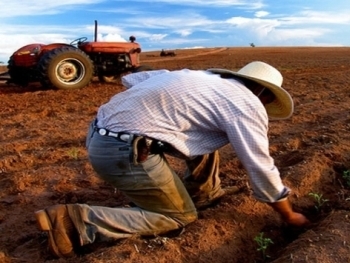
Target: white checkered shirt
[{"x": 198, "y": 112}]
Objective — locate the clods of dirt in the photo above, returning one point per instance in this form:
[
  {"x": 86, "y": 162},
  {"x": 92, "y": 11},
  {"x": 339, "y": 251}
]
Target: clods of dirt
[{"x": 43, "y": 162}]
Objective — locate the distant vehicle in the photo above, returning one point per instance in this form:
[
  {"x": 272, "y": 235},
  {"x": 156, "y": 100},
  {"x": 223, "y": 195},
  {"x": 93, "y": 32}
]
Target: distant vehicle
[
  {"x": 72, "y": 66},
  {"x": 165, "y": 53}
]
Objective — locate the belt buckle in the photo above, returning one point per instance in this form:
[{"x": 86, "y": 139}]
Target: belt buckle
[{"x": 102, "y": 132}]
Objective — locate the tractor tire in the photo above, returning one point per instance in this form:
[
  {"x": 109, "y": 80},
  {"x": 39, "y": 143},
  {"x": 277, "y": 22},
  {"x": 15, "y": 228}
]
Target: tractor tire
[{"x": 66, "y": 68}]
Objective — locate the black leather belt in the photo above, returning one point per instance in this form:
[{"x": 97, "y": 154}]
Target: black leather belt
[{"x": 120, "y": 135}]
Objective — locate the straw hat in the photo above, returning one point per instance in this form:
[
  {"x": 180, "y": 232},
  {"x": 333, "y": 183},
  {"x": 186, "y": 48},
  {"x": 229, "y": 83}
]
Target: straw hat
[{"x": 269, "y": 77}]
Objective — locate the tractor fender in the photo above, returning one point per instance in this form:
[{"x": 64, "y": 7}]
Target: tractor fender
[{"x": 52, "y": 46}]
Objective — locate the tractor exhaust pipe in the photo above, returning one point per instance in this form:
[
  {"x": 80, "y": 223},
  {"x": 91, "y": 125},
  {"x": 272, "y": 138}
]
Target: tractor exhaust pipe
[{"x": 95, "y": 31}]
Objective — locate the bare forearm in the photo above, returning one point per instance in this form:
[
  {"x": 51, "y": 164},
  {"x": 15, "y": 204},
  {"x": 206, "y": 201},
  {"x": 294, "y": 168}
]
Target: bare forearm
[{"x": 284, "y": 208}]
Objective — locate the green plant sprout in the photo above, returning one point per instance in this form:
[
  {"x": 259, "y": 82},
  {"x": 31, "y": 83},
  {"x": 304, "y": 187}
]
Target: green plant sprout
[
  {"x": 346, "y": 176},
  {"x": 73, "y": 153},
  {"x": 320, "y": 201},
  {"x": 263, "y": 243}
]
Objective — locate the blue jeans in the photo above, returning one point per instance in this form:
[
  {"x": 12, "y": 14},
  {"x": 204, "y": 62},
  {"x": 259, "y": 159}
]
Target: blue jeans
[{"x": 163, "y": 203}]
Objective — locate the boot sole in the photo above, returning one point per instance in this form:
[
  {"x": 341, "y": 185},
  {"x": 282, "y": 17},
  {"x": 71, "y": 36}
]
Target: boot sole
[{"x": 44, "y": 224}]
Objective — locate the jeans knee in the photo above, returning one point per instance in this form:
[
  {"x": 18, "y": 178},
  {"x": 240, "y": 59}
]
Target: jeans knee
[{"x": 187, "y": 218}]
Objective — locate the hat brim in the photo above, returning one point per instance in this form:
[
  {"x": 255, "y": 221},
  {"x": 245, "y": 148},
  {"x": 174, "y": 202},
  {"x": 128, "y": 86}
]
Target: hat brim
[{"x": 281, "y": 108}]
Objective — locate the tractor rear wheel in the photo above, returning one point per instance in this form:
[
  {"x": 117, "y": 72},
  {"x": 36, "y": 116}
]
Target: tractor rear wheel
[{"x": 66, "y": 68}]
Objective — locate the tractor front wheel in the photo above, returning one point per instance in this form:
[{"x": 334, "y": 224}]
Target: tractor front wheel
[{"x": 66, "y": 68}]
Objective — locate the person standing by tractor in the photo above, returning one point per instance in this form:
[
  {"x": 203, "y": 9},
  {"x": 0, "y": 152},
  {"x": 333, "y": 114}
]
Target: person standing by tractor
[{"x": 189, "y": 114}]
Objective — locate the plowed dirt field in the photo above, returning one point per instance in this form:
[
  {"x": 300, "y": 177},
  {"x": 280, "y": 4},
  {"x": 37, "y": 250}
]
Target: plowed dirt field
[{"x": 43, "y": 161}]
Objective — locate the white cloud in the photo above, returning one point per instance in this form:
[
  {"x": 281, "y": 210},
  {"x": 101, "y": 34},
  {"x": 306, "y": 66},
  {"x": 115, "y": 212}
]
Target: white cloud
[
  {"x": 157, "y": 37},
  {"x": 195, "y": 47},
  {"x": 173, "y": 42},
  {"x": 286, "y": 35},
  {"x": 110, "y": 38},
  {"x": 10, "y": 45},
  {"x": 103, "y": 29},
  {"x": 256, "y": 4},
  {"x": 252, "y": 21},
  {"x": 254, "y": 24},
  {"x": 286, "y": 29},
  {"x": 261, "y": 13},
  {"x": 184, "y": 32},
  {"x": 313, "y": 17},
  {"x": 183, "y": 20},
  {"x": 15, "y": 8}
]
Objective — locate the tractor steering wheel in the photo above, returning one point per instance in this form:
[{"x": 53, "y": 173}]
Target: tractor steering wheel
[{"x": 78, "y": 41}]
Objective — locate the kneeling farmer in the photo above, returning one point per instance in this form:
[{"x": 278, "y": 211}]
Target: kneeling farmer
[{"x": 189, "y": 114}]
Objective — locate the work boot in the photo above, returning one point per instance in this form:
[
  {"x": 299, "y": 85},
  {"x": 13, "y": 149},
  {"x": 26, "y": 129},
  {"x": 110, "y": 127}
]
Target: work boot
[
  {"x": 202, "y": 203},
  {"x": 62, "y": 233}
]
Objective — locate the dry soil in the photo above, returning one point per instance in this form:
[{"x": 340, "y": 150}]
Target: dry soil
[{"x": 43, "y": 162}]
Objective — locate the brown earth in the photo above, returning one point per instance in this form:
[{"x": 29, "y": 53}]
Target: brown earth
[{"x": 43, "y": 162}]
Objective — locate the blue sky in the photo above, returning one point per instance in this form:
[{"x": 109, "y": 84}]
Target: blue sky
[{"x": 179, "y": 24}]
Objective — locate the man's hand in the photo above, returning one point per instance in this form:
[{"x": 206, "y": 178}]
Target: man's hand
[
  {"x": 284, "y": 208},
  {"x": 297, "y": 219}
]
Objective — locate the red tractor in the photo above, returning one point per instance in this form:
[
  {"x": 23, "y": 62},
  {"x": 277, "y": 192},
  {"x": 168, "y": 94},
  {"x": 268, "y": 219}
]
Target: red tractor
[{"x": 72, "y": 66}]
